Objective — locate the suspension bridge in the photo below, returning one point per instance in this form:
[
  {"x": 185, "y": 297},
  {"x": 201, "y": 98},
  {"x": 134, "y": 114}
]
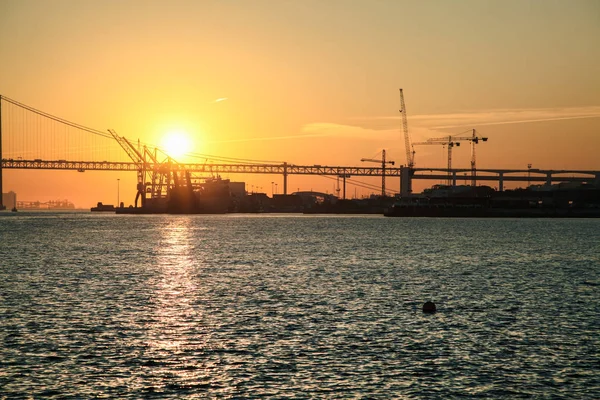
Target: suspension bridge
[{"x": 31, "y": 139}]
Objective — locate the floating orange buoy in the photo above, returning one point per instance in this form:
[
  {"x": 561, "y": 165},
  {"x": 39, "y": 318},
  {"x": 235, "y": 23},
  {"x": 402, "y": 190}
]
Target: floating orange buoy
[{"x": 429, "y": 307}]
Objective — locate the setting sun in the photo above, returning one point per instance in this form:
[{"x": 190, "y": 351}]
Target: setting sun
[{"x": 176, "y": 144}]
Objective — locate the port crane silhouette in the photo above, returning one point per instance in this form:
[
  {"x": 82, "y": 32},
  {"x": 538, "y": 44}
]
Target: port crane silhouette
[{"x": 153, "y": 176}]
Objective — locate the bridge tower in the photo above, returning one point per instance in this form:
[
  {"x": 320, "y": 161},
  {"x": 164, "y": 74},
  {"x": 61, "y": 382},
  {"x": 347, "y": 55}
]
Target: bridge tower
[{"x": 406, "y": 174}]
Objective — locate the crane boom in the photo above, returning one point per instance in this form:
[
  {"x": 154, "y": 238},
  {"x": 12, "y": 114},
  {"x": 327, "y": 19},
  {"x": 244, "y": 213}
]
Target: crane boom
[
  {"x": 139, "y": 161},
  {"x": 130, "y": 149},
  {"x": 410, "y": 161}
]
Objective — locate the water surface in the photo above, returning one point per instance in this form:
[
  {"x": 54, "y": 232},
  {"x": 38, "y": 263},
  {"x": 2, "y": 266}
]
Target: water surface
[{"x": 291, "y": 306}]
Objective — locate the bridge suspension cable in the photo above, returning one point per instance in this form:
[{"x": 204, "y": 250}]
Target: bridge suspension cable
[
  {"x": 55, "y": 118},
  {"x": 29, "y": 133}
]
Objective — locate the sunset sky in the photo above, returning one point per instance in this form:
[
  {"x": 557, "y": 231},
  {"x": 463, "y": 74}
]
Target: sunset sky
[{"x": 308, "y": 82}]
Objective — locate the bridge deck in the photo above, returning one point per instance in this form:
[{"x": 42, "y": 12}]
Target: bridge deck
[{"x": 291, "y": 169}]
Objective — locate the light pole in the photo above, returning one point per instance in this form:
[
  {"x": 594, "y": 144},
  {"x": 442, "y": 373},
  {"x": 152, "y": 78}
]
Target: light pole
[
  {"x": 275, "y": 188},
  {"x": 272, "y": 183},
  {"x": 118, "y": 194},
  {"x": 528, "y": 175}
]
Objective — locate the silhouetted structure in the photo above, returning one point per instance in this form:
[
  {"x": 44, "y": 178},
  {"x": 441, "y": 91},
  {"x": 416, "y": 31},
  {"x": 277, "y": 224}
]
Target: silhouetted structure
[{"x": 482, "y": 201}]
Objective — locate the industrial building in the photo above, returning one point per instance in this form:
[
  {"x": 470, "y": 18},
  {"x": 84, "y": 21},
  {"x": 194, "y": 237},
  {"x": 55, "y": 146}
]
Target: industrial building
[{"x": 9, "y": 200}]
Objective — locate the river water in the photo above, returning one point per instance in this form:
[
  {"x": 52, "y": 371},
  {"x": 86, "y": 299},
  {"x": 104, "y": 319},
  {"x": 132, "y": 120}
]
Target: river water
[{"x": 292, "y": 306}]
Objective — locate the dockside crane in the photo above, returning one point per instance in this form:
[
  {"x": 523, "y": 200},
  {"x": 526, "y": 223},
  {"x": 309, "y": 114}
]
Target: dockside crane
[
  {"x": 474, "y": 139},
  {"x": 448, "y": 141},
  {"x": 153, "y": 177},
  {"x": 383, "y": 161},
  {"x": 136, "y": 156}
]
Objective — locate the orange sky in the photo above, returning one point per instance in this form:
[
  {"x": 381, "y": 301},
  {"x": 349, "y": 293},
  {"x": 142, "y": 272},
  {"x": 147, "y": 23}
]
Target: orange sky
[{"x": 308, "y": 82}]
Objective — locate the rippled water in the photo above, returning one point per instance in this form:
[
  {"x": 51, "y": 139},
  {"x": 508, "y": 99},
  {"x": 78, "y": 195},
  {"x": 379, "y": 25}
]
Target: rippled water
[{"x": 290, "y": 306}]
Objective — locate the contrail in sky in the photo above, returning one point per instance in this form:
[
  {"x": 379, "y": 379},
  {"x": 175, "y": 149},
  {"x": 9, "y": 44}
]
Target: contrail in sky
[
  {"x": 329, "y": 129},
  {"x": 515, "y": 122},
  {"x": 220, "y": 99}
]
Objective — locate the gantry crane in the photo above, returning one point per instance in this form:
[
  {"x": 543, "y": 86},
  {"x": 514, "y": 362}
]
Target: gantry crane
[
  {"x": 444, "y": 141},
  {"x": 383, "y": 162},
  {"x": 474, "y": 139},
  {"x": 154, "y": 177},
  {"x": 410, "y": 154}
]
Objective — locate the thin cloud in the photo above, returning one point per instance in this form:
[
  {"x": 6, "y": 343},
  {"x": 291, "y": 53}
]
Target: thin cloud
[
  {"x": 365, "y": 133},
  {"x": 220, "y": 99},
  {"x": 325, "y": 129},
  {"x": 425, "y": 126},
  {"x": 523, "y": 121},
  {"x": 492, "y": 117}
]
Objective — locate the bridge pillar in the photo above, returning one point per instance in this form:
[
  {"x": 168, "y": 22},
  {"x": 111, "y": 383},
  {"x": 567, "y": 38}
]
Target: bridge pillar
[
  {"x": 549, "y": 179},
  {"x": 453, "y": 178},
  {"x": 285, "y": 175},
  {"x": 501, "y": 181},
  {"x": 405, "y": 181},
  {"x": 344, "y": 176}
]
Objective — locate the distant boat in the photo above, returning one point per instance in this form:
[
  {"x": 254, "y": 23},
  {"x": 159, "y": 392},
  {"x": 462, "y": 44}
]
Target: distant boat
[
  {"x": 14, "y": 209},
  {"x": 103, "y": 207}
]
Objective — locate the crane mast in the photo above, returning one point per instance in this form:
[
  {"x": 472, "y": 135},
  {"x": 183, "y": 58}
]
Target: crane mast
[
  {"x": 409, "y": 156},
  {"x": 383, "y": 162}
]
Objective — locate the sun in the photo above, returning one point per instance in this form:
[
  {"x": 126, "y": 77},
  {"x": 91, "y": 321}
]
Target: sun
[{"x": 176, "y": 143}]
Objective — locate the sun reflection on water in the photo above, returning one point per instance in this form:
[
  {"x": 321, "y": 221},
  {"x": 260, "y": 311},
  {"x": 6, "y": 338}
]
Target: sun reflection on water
[{"x": 175, "y": 333}]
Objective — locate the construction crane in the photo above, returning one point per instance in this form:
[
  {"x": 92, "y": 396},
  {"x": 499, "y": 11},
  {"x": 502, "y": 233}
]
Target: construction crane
[
  {"x": 444, "y": 141},
  {"x": 474, "y": 139},
  {"x": 410, "y": 157},
  {"x": 383, "y": 162}
]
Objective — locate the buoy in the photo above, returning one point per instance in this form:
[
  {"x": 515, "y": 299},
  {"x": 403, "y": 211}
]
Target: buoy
[{"x": 429, "y": 307}]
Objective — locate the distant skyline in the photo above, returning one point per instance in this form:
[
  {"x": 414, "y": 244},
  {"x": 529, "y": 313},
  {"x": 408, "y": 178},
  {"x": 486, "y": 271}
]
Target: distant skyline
[{"x": 308, "y": 82}]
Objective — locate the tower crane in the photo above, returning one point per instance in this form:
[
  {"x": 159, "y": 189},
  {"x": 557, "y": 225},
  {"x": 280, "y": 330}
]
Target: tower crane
[
  {"x": 383, "y": 162},
  {"x": 410, "y": 157},
  {"x": 444, "y": 141},
  {"x": 474, "y": 139}
]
